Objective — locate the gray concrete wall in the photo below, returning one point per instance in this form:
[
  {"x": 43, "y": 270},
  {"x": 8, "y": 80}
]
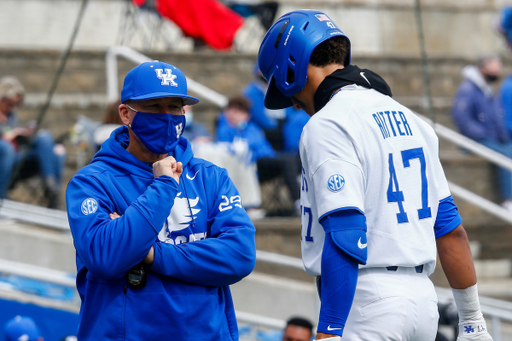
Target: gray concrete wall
[{"x": 82, "y": 87}]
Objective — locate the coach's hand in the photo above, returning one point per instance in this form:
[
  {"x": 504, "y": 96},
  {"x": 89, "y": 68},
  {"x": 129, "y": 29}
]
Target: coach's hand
[
  {"x": 473, "y": 331},
  {"x": 168, "y": 166}
]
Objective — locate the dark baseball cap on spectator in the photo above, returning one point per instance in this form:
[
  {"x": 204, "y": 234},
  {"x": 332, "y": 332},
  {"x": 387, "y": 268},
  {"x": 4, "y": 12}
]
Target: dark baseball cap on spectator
[{"x": 21, "y": 328}]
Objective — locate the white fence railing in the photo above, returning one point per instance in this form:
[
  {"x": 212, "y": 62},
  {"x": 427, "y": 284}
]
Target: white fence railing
[
  {"x": 482, "y": 151},
  {"x": 113, "y": 92},
  {"x": 496, "y": 310}
]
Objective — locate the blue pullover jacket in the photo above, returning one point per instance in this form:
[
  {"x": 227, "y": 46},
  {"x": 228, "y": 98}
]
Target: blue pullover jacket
[
  {"x": 251, "y": 133},
  {"x": 201, "y": 234}
]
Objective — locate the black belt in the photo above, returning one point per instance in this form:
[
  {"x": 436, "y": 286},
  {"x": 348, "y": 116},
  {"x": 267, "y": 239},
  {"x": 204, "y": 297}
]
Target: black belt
[{"x": 419, "y": 268}]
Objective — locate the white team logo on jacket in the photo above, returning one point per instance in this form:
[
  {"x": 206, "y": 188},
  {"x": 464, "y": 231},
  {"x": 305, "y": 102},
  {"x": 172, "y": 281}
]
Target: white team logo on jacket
[{"x": 180, "y": 217}]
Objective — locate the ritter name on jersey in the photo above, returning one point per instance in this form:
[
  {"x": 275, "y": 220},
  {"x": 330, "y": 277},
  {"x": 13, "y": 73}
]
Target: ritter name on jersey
[{"x": 392, "y": 123}]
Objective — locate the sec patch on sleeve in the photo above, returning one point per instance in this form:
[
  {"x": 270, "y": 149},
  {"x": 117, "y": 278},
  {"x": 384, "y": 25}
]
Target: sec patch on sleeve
[
  {"x": 89, "y": 206},
  {"x": 335, "y": 183}
]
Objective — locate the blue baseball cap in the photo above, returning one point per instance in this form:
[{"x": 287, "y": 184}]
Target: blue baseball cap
[
  {"x": 21, "y": 328},
  {"x": 156, "y": 80}
]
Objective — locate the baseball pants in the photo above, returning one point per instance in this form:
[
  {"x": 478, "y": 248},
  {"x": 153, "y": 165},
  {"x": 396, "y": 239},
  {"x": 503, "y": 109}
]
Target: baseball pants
[{"x": 394, "y": 303}]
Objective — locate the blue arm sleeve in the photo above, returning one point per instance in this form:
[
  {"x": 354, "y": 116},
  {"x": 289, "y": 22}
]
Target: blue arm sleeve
[
  {"x": 337, "y": 287},
  {"x": 107, "y": 247},
  {"x": 225, "y": 257},
  {"x": 448, "y": 217},
  {"x": 345, "y": 230},
  {"x": 348, "y": 231}
]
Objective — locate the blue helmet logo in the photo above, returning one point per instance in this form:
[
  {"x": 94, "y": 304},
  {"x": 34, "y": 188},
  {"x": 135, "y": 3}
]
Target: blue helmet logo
[
  {"x": 335, "y": 183},
  {"x": 284, "y": 54}
]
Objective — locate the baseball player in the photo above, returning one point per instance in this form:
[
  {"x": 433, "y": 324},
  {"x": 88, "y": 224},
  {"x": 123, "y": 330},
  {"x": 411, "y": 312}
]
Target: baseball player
[{"x": 374, "y": 200}]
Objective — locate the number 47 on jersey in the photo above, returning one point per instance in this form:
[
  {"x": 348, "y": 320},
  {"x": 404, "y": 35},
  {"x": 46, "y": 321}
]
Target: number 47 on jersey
[{"x": 394, "y": 193}]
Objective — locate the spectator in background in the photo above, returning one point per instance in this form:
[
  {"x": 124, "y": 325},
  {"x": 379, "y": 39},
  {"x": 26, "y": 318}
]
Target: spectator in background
[
  {"x": 270, "y": 121},
  {"x": 234, "y": 125},
  {"x": 298, "y": 329},
  {"x": 18, "y": 142},
  {"x": 194, "y": 131},
  {"x": 296, "y": 119},
  {"x": 478, "y": 115},
  {"x": 22, "y": 328},
  {"x": 282, "y": 127},
  {"x": 111, "y": 121}
]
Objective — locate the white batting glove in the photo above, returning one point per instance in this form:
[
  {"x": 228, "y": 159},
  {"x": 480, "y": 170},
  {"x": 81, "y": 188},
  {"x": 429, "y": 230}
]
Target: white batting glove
[
  {"x": 473, "y": 331},
  {"x": 334, "y": 338}
]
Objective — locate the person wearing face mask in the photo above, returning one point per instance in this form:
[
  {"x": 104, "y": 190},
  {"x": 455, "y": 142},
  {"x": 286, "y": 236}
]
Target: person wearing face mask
[
  {"x": 159, "y": 234},
  {"x": 195, "y": 131},
  {"x": 234, "y": 125},
  {"x": 478, "y": 115}
]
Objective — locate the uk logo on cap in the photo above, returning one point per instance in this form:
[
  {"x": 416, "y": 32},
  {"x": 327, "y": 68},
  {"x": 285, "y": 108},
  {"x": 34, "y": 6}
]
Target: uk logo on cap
[
  {"x": 155, "y": 80},
  {"x": 167, "y": 77}
]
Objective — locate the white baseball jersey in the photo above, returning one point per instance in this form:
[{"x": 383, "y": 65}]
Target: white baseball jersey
[{"x": 365, "y": 151}]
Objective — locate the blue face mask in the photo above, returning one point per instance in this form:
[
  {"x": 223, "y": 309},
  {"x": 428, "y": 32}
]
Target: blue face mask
[{"x": 160, "y": 133}]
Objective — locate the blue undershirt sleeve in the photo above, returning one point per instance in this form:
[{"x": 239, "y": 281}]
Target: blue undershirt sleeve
[
  {"x": 339, "y": 270},
  {"x": 448, "y": 217}
]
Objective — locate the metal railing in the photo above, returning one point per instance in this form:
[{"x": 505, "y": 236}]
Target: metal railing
[
  {"x": 32, "y": 214},
  {"x": 495, "y": 309},
  {"x": 138, "y": 58},
  {"x": 482, "y": 151}
]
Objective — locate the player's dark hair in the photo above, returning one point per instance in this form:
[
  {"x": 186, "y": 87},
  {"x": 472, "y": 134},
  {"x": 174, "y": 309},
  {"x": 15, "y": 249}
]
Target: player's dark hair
[
  {"x": 301, "y": 322},
  {"x": 239, "y": 102},
  {"x": 332, "y": 51}
]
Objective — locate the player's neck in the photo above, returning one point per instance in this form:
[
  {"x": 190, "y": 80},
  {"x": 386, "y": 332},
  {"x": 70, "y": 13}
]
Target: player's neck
[{"x": 316, "y": 76}]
